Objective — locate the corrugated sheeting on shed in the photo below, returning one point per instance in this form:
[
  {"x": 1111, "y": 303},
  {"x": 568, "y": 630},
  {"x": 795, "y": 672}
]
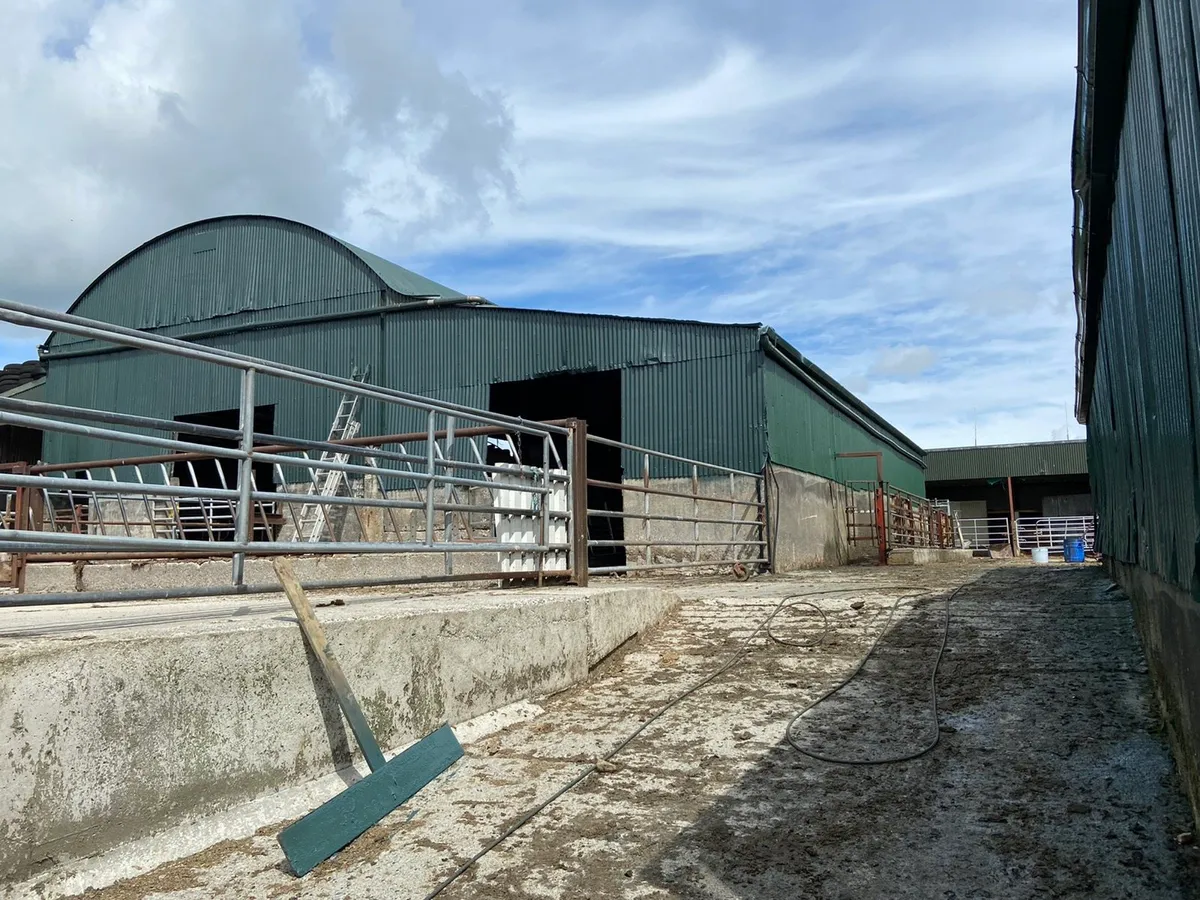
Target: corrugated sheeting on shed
[
  {"x": 279, "y": 290},
  {"x": 241, "y": 271},
  {"x": 806, "y": 433},
  {"x": 689, "y": 388},
  {"x": 1003, "y": 460},
  {"x": 1142, "y": 417}
]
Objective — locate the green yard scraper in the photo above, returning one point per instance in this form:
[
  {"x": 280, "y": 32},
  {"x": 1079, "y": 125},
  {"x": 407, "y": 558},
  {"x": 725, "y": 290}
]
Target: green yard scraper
[{"x": 335, "y": 824}]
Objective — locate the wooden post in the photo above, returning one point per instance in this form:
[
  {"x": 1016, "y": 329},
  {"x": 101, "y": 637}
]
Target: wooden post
[{"x": 315, "y": 636}]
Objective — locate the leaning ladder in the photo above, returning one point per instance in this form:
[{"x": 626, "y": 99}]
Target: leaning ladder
[{"x": 326, "y": 482}]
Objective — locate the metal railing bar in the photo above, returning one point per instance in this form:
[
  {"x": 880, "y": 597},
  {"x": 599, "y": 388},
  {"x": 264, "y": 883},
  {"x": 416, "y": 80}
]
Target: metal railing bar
[
  {"x": 186, "y": 593},
  {"x": 94, "y": 504},
  {"x": 659, "y": 517},
  {"x": 215, "y": 494},
  {"x": 121, "y": 504},
  {"x": 264, "y": 442},
  {"x": 686, "y": 564},
  {"x": 199, "y": 452},
  {"x": 33, "y": 317},
  {"x": 35, "y": 541},
  {"x": 627, "y": 543},
  {"x": 42, "y": 424}
]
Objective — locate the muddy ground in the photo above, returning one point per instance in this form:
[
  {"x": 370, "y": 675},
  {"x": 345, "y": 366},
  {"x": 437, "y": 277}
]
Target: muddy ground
[{"x": 1051, "y": 777}]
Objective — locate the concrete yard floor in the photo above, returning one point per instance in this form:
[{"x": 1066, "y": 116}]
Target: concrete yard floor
[{"x": 1051, "y": 777}]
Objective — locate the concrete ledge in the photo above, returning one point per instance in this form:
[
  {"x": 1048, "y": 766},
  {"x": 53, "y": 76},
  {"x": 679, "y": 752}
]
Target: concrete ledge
[
  {"x": 924, "y": 556},
  {"x": 113, "y": 732}
]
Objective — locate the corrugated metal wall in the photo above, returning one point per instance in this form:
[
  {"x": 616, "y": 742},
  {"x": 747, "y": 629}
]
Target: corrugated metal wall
[
  {"x": 689, "y": 389},
  {"x": 1016, "y": 460},
  {"x": 806, "y": 433},
  {"x": 233, "y": 272},
  {"x": 244, "y": 283},
  {"x": 1142, "y": 438}
]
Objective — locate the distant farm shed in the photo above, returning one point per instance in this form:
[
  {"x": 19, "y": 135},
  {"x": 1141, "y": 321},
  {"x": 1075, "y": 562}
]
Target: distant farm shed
[
  {"x": 1049, "y": 478},
  {"x": 735, "y": 395}
]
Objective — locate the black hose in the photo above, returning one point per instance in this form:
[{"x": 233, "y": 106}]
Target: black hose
[
  {"x": 933, "y": 700},
  {"x": 733, "y": 660}
]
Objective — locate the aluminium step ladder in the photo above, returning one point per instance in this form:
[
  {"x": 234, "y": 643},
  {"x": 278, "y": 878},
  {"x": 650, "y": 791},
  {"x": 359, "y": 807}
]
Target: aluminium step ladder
[{"x": 314, "y": 517}]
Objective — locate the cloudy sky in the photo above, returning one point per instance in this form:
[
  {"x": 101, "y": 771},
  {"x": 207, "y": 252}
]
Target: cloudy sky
[{"x": 886, "y": 183}]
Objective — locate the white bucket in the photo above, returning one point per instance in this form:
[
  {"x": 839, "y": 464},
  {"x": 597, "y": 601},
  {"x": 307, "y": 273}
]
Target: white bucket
[{"x": 1041, "y": 555}]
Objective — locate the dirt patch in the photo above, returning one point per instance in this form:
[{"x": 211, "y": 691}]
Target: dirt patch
[{"x": 182, "y": 875}]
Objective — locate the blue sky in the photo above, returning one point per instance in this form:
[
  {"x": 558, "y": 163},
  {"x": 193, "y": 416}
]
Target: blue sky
[{"x": 885, "y": 183}]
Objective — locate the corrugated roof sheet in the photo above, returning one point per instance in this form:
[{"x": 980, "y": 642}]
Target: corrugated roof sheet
[
  {"x": 243, "y": 271},
  {"x": 402, "y": 281},
  {"x": 1002, "y": 460}
]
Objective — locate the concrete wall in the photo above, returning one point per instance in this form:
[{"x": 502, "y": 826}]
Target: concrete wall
[
  {"x": 115, "y": 735},
  {"x": 1168, "y": 620},
  {"x": 808, "y": 521}
]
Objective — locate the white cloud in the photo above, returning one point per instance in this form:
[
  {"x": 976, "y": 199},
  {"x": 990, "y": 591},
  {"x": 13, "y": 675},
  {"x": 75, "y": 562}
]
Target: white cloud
[
  {"x": 885, "y": 183},
  {"x": 903, "y": 362},
  {"x": 157, "y": 112}
]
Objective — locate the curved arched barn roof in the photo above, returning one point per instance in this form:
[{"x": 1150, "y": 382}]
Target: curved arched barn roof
[{"x": 247, "y": 271}]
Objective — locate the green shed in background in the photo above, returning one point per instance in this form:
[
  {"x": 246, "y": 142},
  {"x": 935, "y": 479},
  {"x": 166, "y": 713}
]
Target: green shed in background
[{"x": 734, "y": 395}]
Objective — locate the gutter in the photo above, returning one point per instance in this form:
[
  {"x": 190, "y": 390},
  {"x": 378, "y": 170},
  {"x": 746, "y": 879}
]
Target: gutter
[{"x": 824, "y": 386}]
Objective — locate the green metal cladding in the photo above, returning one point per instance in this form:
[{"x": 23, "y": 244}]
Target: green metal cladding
[
  {"x": 806, "y": 433},
  {"x": 1144, "y": 303},
  {"x": 692, "y": 389},
  {"x": 242, "y": 271},
  {"x": 1007, "y": 460}
]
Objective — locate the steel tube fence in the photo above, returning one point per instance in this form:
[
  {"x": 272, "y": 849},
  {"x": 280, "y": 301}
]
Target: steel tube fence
[
  {"x": 983, "y": 533},
  {"x": 881, "y": 514},
  {"x": 1050, "y": 532},
  {"x": 710, "y": 505},
  {"x": 436, "y": 487},
  {"x": 203, "y": 491}
]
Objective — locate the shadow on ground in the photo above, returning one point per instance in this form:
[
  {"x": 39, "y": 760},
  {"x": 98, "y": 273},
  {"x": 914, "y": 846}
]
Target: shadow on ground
[{"x": 1051, "y": 778}]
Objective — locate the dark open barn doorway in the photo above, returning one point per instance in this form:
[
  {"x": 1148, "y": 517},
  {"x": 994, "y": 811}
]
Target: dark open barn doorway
[
  {"x": 204, "y": 520},
  {"x": 596, "y": 398}
]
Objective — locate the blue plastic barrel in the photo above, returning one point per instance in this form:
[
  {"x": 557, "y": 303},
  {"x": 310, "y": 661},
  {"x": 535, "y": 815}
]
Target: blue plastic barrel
[{"x": 1073, "y": 550}]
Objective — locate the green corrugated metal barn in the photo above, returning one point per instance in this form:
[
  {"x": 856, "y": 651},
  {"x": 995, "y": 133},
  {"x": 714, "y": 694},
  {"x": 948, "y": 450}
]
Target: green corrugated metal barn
[
  {"x": 1048, "y": 478},
  {"x": 1136, "y": 172},
  {"x": 734, "y": 395}
]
